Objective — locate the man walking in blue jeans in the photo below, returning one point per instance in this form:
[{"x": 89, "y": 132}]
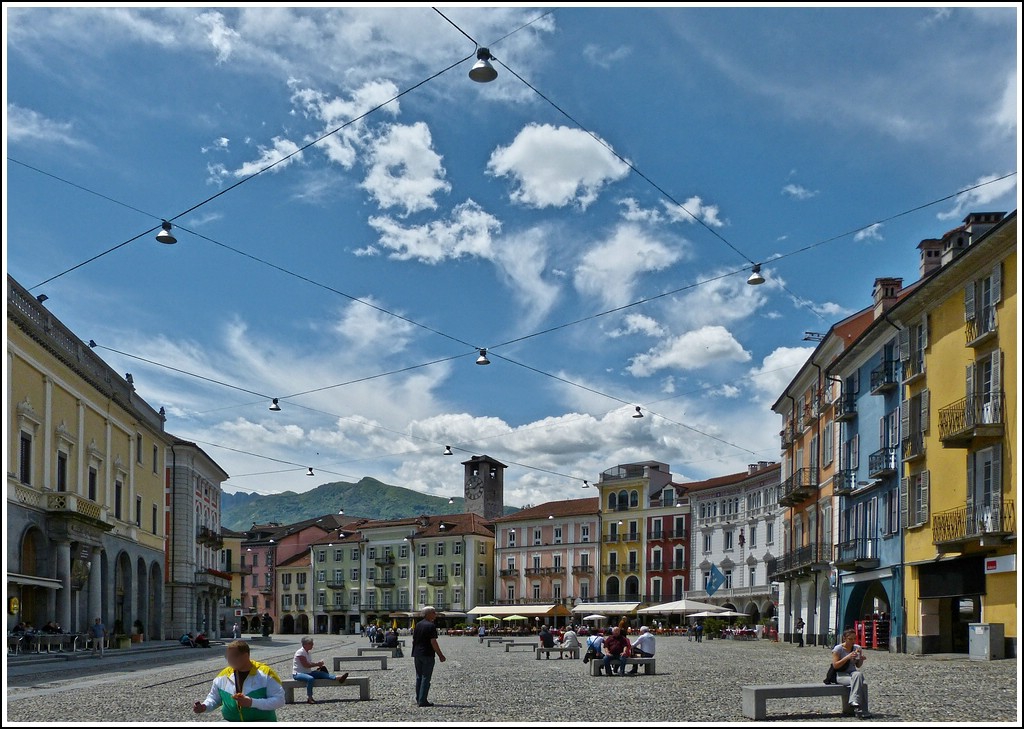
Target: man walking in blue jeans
[{"x": 424, "y": 648}]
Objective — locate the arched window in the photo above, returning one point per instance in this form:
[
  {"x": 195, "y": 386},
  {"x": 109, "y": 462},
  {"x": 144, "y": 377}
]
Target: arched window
[
  {"x": 611, "y": 502},
  {"x": 634, "y": 499},
  {"x": 623, "y": 499},
  {"x": 613, "y": 586}
]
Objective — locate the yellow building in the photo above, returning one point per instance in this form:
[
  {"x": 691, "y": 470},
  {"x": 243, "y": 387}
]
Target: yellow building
[
  {"x": 958, "y": 348},
  {"x": 85, "y": 483}
]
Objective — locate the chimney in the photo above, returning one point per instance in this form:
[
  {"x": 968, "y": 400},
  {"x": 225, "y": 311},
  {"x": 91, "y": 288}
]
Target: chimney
[
  {"x": 931, "y": 255},
  {"x": 977, "y": 224},
  {"x": 884, "y": 293}
]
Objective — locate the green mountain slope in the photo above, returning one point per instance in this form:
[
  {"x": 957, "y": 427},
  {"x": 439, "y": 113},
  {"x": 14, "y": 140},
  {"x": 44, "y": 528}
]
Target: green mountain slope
[{"x": 368, "y": 498}]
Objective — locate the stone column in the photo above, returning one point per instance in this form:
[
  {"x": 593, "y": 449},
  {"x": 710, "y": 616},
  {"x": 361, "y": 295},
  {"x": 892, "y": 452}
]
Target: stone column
[
  {"x": 96, "y": 588},
  {"x": 64, "y": 575}
]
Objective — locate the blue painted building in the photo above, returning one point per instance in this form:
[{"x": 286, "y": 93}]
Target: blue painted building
[{"x": 869, "y": 544}]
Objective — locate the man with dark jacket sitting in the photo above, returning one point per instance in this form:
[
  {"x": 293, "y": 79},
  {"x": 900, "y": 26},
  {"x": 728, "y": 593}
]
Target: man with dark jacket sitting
[
  {"x": 616, "y": 646},
  {"x": 546, "y": 639}
]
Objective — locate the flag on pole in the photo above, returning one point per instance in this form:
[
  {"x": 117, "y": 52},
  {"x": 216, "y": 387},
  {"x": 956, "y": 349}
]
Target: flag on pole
[{"x": 715, "y": 580}]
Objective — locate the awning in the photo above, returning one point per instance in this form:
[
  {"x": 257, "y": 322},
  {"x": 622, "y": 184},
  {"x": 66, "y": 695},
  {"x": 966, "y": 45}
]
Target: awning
[
  {"x": 604, "y": 608},
  {"x": 532, "y": 611},
  {"x": 681, "y": 606},
  {"x": 34, "y": 581}
]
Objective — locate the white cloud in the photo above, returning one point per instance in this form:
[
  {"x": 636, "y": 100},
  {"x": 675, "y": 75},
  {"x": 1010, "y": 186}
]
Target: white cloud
[
  {"x": 1004, "y": 116},
  {"x": 798, "y": 192},
  {"x": 368, "y": 328},
  {"x": 26, "y": 125},
  {"x": 986, "y": 192},
  {"x": 872, "y": 232},
  {"x": 268, "y": 156},
  {"x": 937, "y": 15},
  {"x": 603, "y": 57},
  {"x": 692, "y": 210},
  {"x": 690, "y": 351},
  {"x": 344, "y": 145},
  {"x": 468, "y": 233},
  {"x": 404, "y": 170},
  {"x": 221, "y": 37},
  {"x": 721, "y": 300},
  {"x": 522, "y": 260},
  {"x": 636, "y": 214},
  {"x": 638, "y": 324},
  {"x": 610, "y": 269},
  {"x": 555, "y": 166},
  {"x": 219, "y": 143},
  {"x": 777, "y": 371}
]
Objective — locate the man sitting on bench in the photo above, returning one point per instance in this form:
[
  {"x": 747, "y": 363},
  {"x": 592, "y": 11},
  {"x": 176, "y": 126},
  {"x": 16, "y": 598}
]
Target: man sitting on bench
[
  {"x": 303, "y": 669},
  {"x": 643, "y": 647}
]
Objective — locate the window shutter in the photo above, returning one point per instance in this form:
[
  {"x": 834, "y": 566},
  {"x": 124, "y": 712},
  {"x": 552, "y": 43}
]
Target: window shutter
[
  {"x": 971, "y": 459},
  {"x": 881, "y": 432},
  {"x": 969, "y": 302},
  {"x": 855, "y": 451},
  {"x": 924, "y": 332},
  {"x": 904, "y": 344},
  {"x": 904, "y": 487},
  {"x": 925, "y": 503},
  {"x": 925, "y": 397},
  {"x": 997, "y": 386},
  {"x": 905, "y": 419},
  {"x": 969, "y": 405},
  {"x": 997, "y": 485},
  {"x": 997, "y": 281}
]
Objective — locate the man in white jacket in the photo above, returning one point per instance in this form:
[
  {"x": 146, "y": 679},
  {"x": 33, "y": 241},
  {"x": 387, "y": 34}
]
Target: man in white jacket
[{"x": 246, "y": 690}]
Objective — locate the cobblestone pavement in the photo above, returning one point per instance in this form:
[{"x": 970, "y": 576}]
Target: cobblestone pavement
[{"x": 695, "y": 683}]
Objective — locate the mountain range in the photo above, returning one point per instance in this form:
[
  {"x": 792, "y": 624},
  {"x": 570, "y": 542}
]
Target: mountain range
[{"x": 367, "y": 498}]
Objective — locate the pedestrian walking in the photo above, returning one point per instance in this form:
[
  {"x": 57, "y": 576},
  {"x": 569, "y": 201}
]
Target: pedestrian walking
[
  {"x": 424, "y": 649},
  {"x": 236, "y": 631},
  {"x": 98, "y": 631},
  {"x": 246, "y": 690}
]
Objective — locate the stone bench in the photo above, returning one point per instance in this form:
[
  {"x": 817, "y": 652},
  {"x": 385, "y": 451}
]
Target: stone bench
[
  {"x": 499, "y": 641},
  {"x": 755, "y": 697},
  {"x": 338, "y": 660},
  {"x": 574, "y": 652},
  {"x": 363, "y": 682},
  {"x": 596, "y": 664},
  {"x": 395, "y": 652},
  {"x": 519, "y": 644}
]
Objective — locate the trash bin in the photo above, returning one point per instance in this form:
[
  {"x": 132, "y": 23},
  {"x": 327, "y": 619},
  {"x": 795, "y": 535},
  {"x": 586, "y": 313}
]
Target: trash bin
[{"x": 986, "y": 641}]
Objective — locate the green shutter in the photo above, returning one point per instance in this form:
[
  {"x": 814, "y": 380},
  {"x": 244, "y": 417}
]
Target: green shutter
[
  {"x": 997, "y": 281},
  {"x": 969, "y": 312},
  {"x": 925, "y": 497},
  {"x": 904, "y": 499}
]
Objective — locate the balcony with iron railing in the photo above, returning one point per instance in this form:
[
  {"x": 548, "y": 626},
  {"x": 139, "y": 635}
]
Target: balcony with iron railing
[
  {"x": 975, "y": 416},
  {"x": 665, "y": 565},
  {"x": 787, "y": 436},
  {"x": 510, "y": 572},
  {"x": 800, "y": 561},
  {"x": 660, "y": 534},
  {"x": 811, "y": 412},
  {"x": 883, "y": 462},
  {"x": 844, "y": 481},
  {"x": 631, "y": 537},
  {"x": 609, "y": 538},
  {"x": 981, "y": 328},
  {"x": 952, "y": 528},
  {"x": 385, "y": 560},
  {"x": 800, "y": 486},
  {"x": 206, "y": 535},
  {"x": 213, "y": 578},
  {"x": 267, "y": 590},
  {"x": 857, "y": 554},
  {"x": 885, "y": 377},
  {"x": 913, "y": 446},
  {"x": 437, "y": 580},
  {"x": 913, "y": 368},
  {"x": 333, "y": 584},
  {"x": 619, "y": 473},
  {"x": 384, "y": 581},
  {"x": 845, "y": 408},
  {"x": 583, "y": 569}
]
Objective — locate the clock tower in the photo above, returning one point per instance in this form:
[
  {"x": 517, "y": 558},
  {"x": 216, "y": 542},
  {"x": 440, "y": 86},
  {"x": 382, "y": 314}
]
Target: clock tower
[{"x": 484, "y": 485}]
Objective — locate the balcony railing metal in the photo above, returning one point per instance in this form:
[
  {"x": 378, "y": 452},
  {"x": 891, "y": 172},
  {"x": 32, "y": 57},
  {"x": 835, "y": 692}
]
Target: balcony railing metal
[
  {"x": 845, "y": 408},
  {"x": 913, "y": 368},
  {"x": 854, "y": 553},
  {"x": 913, "y": 446},
  {"x": 800, "y": 560},
  {"x": 974, "y": 416},
  {"x": 883, "y": 462},
  {"x": 335, "y": 584},
  {"x": 885, "y": 377},
  {"x": 978, "y": 329},
  {"x": 972, "y": 522},
  {"x": 437, "y": 580},
  {"x": 845, "y": 481},
  {"x": 801, "y": 485},
  {"x": 609, "y": 538}
]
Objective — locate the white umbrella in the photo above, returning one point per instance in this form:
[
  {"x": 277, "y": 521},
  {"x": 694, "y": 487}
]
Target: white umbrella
[
  {"x": 595, "y": 616},
  {"x": 679, "y": 606},
  {"x": 704, "y": 614},
  {"x": 731, "y": 614}
]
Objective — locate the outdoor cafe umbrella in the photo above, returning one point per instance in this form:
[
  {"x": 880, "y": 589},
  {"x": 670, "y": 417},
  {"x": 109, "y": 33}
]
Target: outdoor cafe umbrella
[
  {"x": 731, "y": 614},
  {"x": 704, "y": 614},
  {"x": 679, "y": 606},
  {"x": 595, "y": 616},
  {"x": 516, "y": 617},
  {"x": 488, "y": 617}
]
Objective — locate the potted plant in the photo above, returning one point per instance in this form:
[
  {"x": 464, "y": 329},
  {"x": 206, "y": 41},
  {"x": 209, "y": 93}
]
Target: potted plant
[
  {"x": 137, "y": 632},
  {"x": 120, "y": 639}
]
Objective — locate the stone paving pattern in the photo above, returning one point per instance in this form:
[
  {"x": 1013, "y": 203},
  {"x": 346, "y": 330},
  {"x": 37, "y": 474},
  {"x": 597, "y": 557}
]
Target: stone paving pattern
[{"x": 696, "y": 682}]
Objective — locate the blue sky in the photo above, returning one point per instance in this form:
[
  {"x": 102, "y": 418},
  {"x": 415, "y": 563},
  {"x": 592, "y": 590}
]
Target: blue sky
[{"x": 466, "y": 215}]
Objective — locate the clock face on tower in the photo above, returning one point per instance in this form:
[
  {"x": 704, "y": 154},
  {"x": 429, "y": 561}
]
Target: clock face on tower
[{"x": 474, "y": 487}]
